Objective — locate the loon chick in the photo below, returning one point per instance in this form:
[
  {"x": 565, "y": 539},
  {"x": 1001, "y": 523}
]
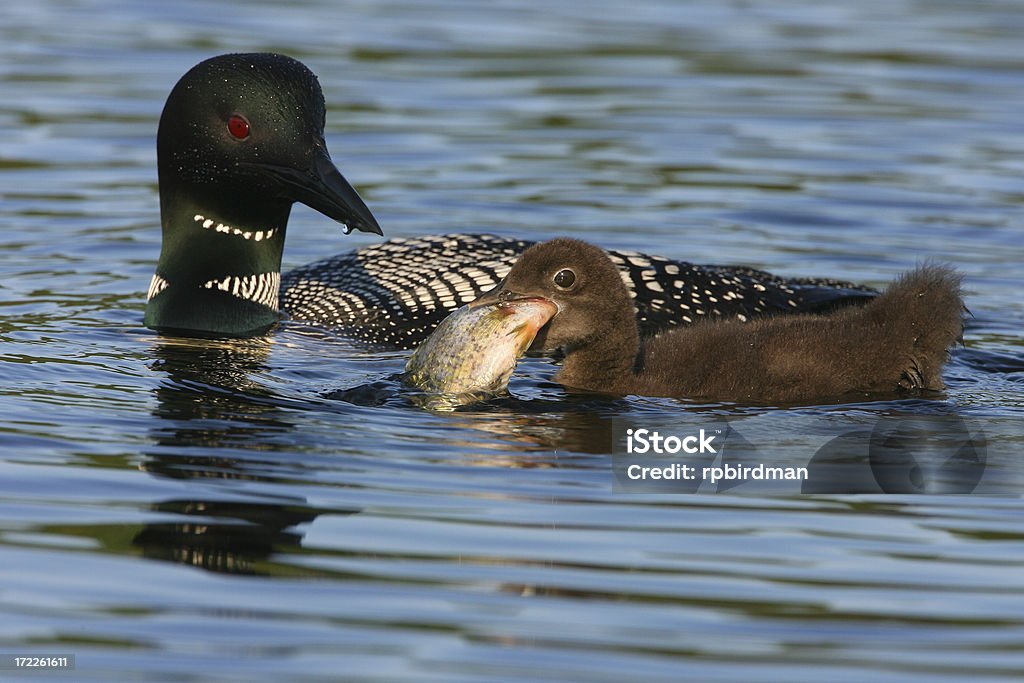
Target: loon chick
[
  {"x": 241, "y": 139},
  {"x": 898, "y": 341}
]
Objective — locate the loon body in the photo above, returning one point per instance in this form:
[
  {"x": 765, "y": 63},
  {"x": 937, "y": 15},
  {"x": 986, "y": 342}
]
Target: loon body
[
  {"x": 395, "y": 293},
  {"x": 241, "y": 139}
]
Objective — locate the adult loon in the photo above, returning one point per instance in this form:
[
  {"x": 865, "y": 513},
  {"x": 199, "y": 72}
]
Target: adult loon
[
  {"x": 897, "y": 342},
  {"x": 241, "y": 139}
]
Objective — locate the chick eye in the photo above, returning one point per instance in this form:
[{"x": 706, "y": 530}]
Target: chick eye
[
  {"x": 238, "y": 127},
  {"x": 565, "y": 278}
]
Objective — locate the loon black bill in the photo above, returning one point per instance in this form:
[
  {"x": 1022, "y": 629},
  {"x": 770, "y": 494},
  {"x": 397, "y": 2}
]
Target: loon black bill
[{"x": 322, "y": 187}]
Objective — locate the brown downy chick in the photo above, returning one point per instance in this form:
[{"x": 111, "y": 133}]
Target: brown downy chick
[{"x": 897, "y": 342}]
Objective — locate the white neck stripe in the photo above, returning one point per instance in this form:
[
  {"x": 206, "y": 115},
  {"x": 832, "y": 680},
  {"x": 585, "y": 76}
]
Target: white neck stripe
[
  {"x": 262, "y": 288},
  {"x": 255, "y": 235}
]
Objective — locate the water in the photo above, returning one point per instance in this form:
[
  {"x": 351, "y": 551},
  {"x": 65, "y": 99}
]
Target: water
[{"x": 181, "y": 510}]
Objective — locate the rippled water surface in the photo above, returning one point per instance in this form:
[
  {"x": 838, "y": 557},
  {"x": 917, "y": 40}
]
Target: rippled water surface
[{"x": 185, "y": 510}]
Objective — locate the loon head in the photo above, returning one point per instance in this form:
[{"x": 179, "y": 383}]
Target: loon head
[
  {"x": 241, "y": 139},
  {"x": 580, "y": 279}
]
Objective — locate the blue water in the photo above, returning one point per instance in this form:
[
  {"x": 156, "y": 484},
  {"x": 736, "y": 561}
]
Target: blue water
[{"x": 183, "y": 510}]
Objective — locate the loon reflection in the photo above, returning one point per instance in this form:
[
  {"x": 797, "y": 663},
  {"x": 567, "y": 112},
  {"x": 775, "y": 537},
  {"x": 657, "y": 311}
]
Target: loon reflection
[{"x": 217, "y": 423}]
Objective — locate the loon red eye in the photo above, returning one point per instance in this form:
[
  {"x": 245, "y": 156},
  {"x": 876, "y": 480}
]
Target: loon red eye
[
  {"x": 238, "y": 127},
  {"x": 565, "y": 278}
]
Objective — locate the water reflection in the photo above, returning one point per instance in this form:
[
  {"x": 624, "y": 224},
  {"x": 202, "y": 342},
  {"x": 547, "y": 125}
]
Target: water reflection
[
  {"x": 215, "y": 420},
  {"x": 221, "y": 372},
  {"x": 212, "y": 414},
  {"x": 226, "y": 536},
  {"x": 911, "y": 446},
  {"x": 536, "y": 427}
]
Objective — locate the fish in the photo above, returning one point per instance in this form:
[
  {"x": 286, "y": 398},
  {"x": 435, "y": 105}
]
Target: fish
[{"x": 472, "y": 353}]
